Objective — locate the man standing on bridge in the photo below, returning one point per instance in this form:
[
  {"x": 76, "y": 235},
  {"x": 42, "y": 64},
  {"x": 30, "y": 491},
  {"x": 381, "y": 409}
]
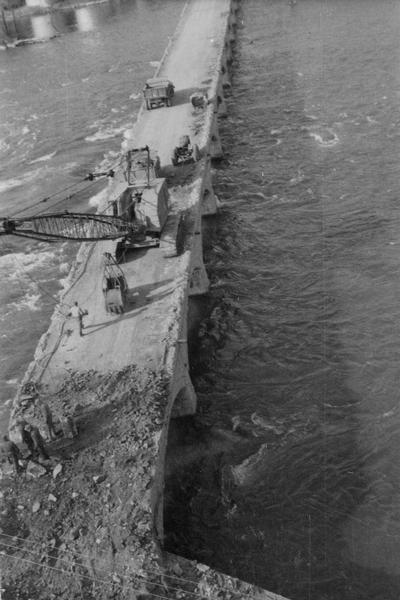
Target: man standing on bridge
[{"x": 77, "y": 313}]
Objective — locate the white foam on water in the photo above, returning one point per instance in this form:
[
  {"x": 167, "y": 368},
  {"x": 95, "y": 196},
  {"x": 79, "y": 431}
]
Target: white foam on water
[
  {"x": 14, "y": 265},
  {"x": 29, "y": 301},
  {"x": 99, "y": 198},
  {"x": 64, "y": 267},
  {"x": 8, "y": 184},
  {"x": 105, "y": 134},
  {"x": 4, "y": 146},
  {"x": 324, "y": 136},
  {"x": 325, "y": 142},
  {"x": 43, "y": 158},
  {"x": 154, "y": 63},
  {"x": 135, "y": 96},
  {"x": 129, "y": 133}
]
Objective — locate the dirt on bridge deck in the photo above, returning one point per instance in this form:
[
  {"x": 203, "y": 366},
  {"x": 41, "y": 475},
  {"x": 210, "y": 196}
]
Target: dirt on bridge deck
[{"x": 81, "y": 526}]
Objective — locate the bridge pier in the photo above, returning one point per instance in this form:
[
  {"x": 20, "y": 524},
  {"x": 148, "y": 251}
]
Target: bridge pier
[
  {"x": 221, "y": 108},
  {"x": 215, "y": 146},
  {"x": 232, "y": 19},
  {"x": 228, "y": 52},
  {"x": 225, "y": 75},
  {"x": 209, "y": 199},
  {"x": 198, "y": 282}
]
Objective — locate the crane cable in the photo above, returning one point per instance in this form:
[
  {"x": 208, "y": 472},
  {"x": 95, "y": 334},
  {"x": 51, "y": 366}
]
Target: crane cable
[{"x": 44, "y": 199}]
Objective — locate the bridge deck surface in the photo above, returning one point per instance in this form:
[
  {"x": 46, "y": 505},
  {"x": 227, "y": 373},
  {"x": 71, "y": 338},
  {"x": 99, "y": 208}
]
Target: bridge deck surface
[{"x": 154, "y": 276}]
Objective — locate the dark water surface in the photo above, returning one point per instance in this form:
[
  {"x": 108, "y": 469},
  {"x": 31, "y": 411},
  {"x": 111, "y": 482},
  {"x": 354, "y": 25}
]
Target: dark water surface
[{"x": 302, "y": 345}]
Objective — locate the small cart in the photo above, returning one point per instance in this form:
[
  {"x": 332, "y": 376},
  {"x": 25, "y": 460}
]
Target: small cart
[{"x": 115, "y": 287}]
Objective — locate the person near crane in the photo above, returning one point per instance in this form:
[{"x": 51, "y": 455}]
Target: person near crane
[
  {"x": 46, "y": 417},
  {"x": 78, "y": 313},
  {"x": 38, "y": 442},
  {"x": 12, "y": 453}
]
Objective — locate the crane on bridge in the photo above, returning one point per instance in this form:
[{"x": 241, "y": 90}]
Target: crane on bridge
[{"x": 81, "y": 227}]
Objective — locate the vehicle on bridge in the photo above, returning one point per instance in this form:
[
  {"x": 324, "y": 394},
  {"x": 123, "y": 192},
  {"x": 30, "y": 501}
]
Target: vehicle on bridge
[
  {"x": 158, "y": 91},
  {"x": 115, "y": 287},
  {"x": 185, "y": 153},
  {"x": 141, "y": 166}
]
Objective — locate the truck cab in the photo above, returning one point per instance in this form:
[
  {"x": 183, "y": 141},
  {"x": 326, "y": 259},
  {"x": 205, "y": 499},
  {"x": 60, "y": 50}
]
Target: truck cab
[{"x": 158, "y": 91}]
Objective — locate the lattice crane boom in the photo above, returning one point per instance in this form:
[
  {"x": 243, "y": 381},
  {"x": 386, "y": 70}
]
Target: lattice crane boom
[{"x": 83, "y": 227}]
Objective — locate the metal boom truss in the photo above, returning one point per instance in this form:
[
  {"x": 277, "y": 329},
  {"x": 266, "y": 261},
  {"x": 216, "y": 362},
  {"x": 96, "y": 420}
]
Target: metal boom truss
[{"x": 68, "y": 226}]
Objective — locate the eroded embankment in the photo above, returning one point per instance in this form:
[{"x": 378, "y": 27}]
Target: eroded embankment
[{"x": 86, "y": 532}]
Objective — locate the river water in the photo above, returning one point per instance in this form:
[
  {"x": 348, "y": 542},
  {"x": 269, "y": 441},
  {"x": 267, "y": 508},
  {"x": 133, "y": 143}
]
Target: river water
[
  {"x": 303, "y": 361},
  {"x": 296, "y": 356}
]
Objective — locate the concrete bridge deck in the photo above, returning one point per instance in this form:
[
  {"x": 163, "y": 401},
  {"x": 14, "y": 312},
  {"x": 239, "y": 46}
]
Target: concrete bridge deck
[{"x": 128, "y": 374}]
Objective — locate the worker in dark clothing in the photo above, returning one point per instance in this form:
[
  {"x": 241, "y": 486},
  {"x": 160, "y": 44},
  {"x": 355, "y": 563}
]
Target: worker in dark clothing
[
  {"x": 13, "y": 454},
  {"x": 38, "y": 442},
  {"x": 26, "y": 437},
  {"x": 47, "y": 418}
]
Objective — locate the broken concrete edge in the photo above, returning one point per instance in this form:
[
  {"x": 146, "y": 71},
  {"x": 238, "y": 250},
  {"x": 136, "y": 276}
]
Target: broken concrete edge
[{"x": 199, "y": 579}]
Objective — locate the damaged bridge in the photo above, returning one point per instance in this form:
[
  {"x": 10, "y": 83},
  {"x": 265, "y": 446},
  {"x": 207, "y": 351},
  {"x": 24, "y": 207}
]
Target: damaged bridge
[{"x": 128, "y": 375}]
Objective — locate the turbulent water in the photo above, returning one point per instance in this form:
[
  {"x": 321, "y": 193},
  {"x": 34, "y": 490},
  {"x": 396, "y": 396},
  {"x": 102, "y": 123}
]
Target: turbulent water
[
  {"x": 305, "y": 268},
  {"x": 297, "y": 478}
]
